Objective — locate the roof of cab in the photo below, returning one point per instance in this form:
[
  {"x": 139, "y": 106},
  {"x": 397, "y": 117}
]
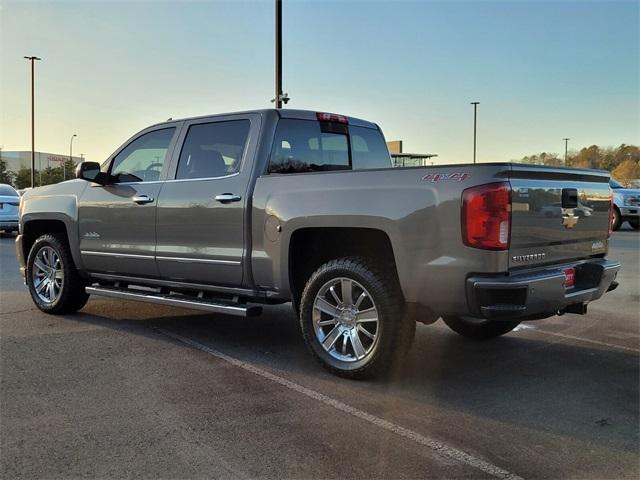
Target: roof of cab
[{"x": 282, "y": 113}]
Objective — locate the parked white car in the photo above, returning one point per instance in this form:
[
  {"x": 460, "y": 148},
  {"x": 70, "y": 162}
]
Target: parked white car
[{"x": 9, "y": 203}]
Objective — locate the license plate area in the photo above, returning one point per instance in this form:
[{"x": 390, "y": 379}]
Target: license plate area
[{"x": 587, "y": 275}]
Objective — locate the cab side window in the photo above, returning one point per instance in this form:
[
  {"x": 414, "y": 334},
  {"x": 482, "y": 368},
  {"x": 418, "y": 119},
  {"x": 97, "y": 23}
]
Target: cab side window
[
  {"x": 143, "y": 159},
  {"x": 213, "y": 150}
]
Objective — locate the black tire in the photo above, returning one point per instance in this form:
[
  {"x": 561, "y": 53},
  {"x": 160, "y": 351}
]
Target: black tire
[
  {"x": 617, "y": 219},
  {"x": 72, "y": 296},
  {"x": 635, "y": 223},
  {"x": 479, "y": 330},
  {"x": 394, "y": 329}
]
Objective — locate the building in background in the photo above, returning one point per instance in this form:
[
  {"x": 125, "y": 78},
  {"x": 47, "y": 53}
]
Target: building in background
[
  {"x": 401, "y": 159},
  {"x": 15, "y": 160}
]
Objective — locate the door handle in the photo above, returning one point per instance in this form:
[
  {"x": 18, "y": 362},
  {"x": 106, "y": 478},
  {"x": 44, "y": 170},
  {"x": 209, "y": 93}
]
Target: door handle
[
  {"x": 142, "y": 199},
  {"x": 227, "y": 198}
]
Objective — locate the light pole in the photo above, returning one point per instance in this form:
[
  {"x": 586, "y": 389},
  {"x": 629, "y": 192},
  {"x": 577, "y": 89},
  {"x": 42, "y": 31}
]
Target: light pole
[
  {"x": 566, "y": 148},
  {"x": 475, "y": 122},
  {"x": 64, "y": 167},
  {"x": 280, "y": 96},
  {"x": 33, "y": 138}
]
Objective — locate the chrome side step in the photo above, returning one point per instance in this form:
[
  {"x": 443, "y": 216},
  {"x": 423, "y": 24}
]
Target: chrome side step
[{"x": 217, "y": 306}]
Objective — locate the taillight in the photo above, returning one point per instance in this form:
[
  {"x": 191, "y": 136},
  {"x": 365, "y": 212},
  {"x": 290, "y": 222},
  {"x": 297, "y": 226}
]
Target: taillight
[
  {"x": 331, "y": 117},
  {"x": 486, "y": 216},
  {"x": 610, "y": 213},
  {"x": 569, "y": 277}
]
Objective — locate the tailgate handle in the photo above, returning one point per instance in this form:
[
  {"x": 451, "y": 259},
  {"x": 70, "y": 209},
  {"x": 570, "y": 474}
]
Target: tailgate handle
[{"x": 569, "y": 197}]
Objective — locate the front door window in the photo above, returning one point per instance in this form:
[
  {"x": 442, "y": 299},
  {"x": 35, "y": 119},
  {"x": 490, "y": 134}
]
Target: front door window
[{"x": 143, "y": 159}]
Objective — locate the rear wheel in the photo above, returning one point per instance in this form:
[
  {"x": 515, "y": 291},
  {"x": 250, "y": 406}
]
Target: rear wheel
[
  {"x": 635, "y": 223},
  {"x": 479, "y": 329},
  {"x": 52, "y": 277},
  {"x": 353, "y": 319},
  {"x": 617, "y": 219}
]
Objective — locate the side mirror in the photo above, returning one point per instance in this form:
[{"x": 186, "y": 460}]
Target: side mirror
[{"x": 90, "y": 171}]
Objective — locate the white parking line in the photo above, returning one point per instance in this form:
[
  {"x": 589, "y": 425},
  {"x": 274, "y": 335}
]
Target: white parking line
[
  {"x": 436, "y": 446},
  {"x": 580, "y": 339}
]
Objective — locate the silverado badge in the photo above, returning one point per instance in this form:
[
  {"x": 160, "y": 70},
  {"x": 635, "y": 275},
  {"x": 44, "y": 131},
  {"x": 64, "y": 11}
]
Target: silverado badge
[{"x": 569, "y": 220}]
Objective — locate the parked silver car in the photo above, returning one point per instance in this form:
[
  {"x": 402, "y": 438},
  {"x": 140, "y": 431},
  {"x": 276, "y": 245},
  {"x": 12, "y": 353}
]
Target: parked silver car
[{"x": 9, "y": 203}]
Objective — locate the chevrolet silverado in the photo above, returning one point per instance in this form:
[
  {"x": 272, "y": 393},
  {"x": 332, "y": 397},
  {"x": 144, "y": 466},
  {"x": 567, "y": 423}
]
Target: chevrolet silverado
[{"x": 226, "y": 213}]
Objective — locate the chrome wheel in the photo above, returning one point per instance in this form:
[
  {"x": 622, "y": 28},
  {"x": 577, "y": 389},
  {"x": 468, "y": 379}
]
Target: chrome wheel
[
  {"x": 47, "y": 275},
  {"x": 345, "y": 320}
]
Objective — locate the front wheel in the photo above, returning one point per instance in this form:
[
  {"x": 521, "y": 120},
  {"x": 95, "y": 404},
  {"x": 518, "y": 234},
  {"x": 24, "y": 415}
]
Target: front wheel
[
  {"x": 635, "y": 223},
  {"x": 353, "y": 319},
  {"x": 52, "y": 278},
  {"x": 479, "y": 329}
]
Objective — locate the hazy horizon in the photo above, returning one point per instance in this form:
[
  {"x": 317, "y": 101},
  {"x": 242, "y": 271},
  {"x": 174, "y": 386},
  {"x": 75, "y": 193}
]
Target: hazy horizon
[{"x": 541, "y": 70}]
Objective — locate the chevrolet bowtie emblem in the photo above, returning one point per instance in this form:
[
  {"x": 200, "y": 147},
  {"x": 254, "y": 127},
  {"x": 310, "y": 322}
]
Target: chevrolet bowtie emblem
[{"x": 569, "y": 220}]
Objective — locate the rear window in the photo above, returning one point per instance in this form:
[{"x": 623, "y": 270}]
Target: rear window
[
  {"x": 8, "y": 191},
  {"x": 304, "y": 146}
]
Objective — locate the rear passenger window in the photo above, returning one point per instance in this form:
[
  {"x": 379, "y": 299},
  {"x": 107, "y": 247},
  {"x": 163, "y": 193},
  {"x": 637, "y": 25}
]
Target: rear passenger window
[
  {"x": 303, "y": 146},
  {"x": 213, "y": 149}
]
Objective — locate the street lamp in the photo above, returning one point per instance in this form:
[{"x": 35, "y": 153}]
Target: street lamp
[
  {"x": 64, "y": 167},
  {"x": 32, "y": 59},
  {"x": 566, "y": 147},
  {"x": 475, "y": 121},
  {"x": 280, "y": 97}
]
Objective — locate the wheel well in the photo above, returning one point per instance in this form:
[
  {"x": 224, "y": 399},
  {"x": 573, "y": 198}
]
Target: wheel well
[
  {"x": 36, "y": 228},
  {"x": 312, "y": 247}
]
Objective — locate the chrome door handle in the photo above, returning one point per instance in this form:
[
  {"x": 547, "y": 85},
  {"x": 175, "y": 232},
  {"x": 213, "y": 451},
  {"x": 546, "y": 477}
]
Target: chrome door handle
[
  {"x": 142, "y": 199},
  {"x": 227, "y": 198}
]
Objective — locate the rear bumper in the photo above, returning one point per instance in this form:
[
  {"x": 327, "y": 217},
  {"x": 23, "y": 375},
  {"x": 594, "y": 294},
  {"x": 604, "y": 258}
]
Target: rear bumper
[
  {"x": 540, "y": 293},
  {"x": 6, "y": 224}
]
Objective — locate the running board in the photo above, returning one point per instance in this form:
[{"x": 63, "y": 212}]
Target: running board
[{"x": 218, "y": 306}]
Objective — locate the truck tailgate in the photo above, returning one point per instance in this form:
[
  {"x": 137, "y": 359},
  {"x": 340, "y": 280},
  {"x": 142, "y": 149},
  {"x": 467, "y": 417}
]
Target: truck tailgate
[{"x": 557, "y": 214}]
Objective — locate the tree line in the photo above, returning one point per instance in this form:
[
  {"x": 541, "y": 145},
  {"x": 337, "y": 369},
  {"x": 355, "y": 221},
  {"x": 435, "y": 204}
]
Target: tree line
[
  {"x": 623, "y": 162},
  {"x": 47, "y": 176}
]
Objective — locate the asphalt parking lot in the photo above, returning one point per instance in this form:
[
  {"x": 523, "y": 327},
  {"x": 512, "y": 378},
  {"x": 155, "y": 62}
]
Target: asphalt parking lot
[{"x": 126, "y": 389}]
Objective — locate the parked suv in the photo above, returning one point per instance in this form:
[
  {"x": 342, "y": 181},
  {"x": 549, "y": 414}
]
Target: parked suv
[{"x": 226, "y": 213}]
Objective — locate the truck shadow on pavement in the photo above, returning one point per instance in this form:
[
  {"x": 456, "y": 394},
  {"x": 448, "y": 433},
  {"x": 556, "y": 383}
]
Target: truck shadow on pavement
[{"x": 582, "y": 392}]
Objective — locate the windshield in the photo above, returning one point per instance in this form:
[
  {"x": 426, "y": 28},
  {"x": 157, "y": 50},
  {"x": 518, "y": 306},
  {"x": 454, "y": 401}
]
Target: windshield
[{"x": 615, "y": 184}]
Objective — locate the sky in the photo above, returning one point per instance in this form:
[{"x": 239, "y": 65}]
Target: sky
[{"x": 541, "y": 70}]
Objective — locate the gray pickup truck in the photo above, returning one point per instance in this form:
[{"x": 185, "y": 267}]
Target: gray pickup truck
[{"x": 226, "y": 213}]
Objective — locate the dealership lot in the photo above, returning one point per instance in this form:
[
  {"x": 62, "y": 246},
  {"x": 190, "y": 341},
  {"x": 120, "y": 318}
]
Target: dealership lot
[{"x": 126, "y": 389}]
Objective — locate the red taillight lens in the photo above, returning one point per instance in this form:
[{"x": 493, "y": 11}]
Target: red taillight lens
[
  {"x": 486, "y": 216},
  {"x": 610, "y": 213},
  {"x": 331, "y": 117},
  {"x": 569, "y": 277}
]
